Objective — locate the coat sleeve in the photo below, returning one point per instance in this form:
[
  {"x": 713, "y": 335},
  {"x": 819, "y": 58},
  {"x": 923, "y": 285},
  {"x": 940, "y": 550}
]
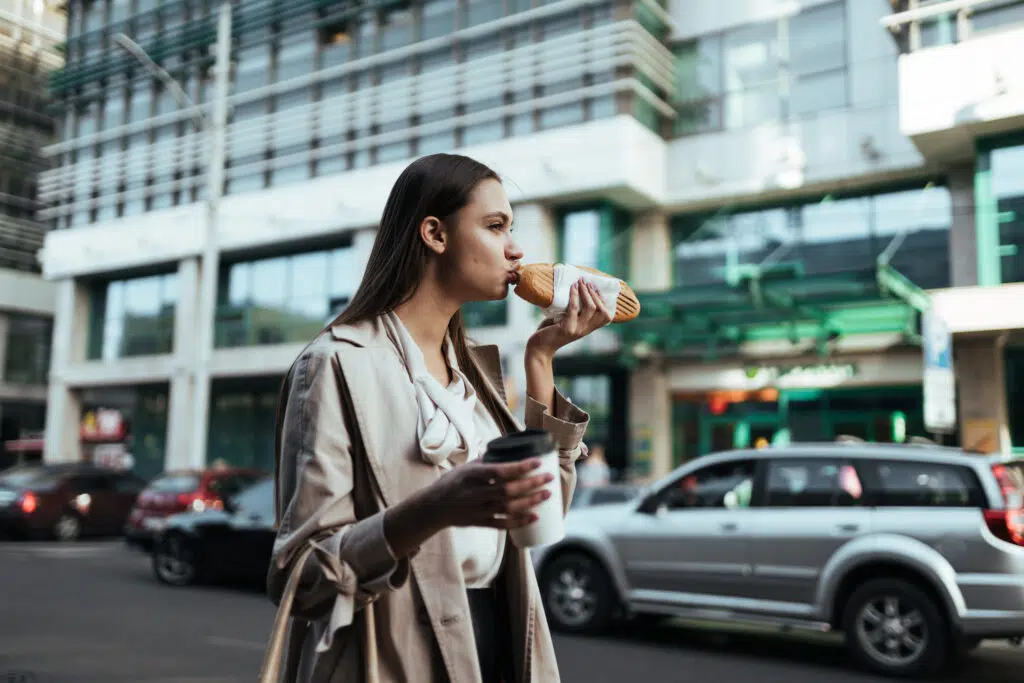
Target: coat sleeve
[
  {"x": 351, "y": 563},
  {"x": 567, "y": 424}
]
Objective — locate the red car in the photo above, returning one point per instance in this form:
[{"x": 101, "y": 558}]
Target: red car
[
  {"x": 65, "y": 501},
  {"x": 183, "y": 491}
]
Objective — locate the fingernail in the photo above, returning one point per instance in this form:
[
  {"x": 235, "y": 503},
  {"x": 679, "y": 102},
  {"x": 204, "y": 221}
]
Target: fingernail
[
  {"x": 533, "y": 518},
  {"x": 549, "y": 477},
  {"x": 545, "y": 495}
]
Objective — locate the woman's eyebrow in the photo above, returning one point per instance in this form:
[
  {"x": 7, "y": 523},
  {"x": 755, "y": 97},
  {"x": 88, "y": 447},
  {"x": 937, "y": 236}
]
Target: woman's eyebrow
[{"x": 499, "y": 214}]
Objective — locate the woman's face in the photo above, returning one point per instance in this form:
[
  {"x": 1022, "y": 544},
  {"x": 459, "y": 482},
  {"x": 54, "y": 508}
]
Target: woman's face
[{"x": 482, "y": 256}]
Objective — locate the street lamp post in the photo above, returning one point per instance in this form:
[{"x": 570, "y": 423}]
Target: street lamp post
[{"x": 215, "y": 129}]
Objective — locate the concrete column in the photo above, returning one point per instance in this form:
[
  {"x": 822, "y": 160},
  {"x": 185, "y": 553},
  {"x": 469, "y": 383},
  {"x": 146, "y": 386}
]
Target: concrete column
[
  {"x": 650, "y": 260},
  {"x": 650, "y": 423},
  {"x": 963, "y": 238},
  {"x": 650, "y": 405},
  {"x": 180, "y": 453},
  {"x": 536, "y": 232},
  {"x": 63, "y": 407},
  {"x": 5, "y": 325},
  {"x": 981, "y": 378}
]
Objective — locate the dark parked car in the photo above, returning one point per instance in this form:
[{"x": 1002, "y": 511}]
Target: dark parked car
[
  {"x": 183, "y": 491},
  {"x": 66, "y": 501},
  {"x": 233, "y": 543}
]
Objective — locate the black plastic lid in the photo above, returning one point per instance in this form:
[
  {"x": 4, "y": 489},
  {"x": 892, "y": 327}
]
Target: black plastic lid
[{"x": 519, "y": 446}]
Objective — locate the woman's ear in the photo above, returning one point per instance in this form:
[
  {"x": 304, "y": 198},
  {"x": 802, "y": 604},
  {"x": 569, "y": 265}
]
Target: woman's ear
[{"x": 434, "y": 235}]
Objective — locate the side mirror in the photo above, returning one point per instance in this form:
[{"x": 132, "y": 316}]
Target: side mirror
[{"x": 650, "y": 504}]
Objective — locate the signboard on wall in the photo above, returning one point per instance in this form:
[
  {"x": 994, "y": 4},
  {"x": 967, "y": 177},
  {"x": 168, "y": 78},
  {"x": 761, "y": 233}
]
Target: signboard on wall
[{"x": 939, "y": 381}]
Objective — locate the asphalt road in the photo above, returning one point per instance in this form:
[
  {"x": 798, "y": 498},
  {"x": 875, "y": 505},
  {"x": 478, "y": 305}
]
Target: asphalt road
[{"x": 93, "y": 613}]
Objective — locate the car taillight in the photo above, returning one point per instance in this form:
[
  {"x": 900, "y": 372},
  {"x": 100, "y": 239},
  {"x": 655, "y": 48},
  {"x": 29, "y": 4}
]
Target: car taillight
[
  {"x": 196, "y": 502},
  {"x": 1007, "y": 524},
  {"x": 29, "y": 502}
]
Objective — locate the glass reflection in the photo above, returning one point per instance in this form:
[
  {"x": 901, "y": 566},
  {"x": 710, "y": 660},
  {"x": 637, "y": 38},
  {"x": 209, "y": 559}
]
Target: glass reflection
[
  {"x": 825, "y": 237},
  {"x": 28, "y": 349},
  {"x": 284, "y": 298},
  {"x": 133, "y": 317}
]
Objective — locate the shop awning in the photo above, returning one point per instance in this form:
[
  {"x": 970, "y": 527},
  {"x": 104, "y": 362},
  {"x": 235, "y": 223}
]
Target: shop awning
[{"x": 776, "y": 302}]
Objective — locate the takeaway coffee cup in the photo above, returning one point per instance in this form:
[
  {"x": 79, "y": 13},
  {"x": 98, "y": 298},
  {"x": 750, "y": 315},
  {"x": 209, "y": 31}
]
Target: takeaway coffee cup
[{"x": 534, "y": 443}]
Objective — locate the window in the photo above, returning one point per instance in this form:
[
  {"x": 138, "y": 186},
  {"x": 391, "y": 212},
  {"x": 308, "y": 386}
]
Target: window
[
  {"x": 597, "y": 238},
  {"x": 822, "y": 236},
  {"x": 129, "y": 483},
  {"x": 813, "y": 482},
  {"x": 769, "y": 71},
  {"x": 229, "y": 485},
  {"x": 90, "y": 483},
  {"x": 284, "y": 298},
  {"x": 133, "y": 317},
  {"x": 728, "y": 485},
  {"x": 921, "y": 484},
  {"x": 28, "y": 349},
  {"x": 175, "y": 483},
  {"x": 257, "y": 499}
]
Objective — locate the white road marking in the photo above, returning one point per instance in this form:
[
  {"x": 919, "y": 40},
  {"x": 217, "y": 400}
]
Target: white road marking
[{"x": 221, "y": 641}]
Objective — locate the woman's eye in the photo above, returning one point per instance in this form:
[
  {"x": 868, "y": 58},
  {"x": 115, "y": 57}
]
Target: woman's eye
[{"x": 497, "y": 226}]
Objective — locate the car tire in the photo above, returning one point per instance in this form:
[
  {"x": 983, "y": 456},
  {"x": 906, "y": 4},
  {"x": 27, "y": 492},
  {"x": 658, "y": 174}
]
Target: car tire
[
  {"x": 895, "y": 628},
  {"x": 174, "y": 561},
  {"x": 578, "y": 594},
  {"x": 68, "y": 528}
]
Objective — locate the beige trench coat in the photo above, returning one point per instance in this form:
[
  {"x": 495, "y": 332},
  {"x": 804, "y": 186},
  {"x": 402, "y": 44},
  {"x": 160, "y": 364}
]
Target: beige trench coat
[{"x": 348, "y": 449}]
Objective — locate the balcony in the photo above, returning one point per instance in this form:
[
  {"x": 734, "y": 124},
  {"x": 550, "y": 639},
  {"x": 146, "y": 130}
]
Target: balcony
[{"x": 959, "y": 75}]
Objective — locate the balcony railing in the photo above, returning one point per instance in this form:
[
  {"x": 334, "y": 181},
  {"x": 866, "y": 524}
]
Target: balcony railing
[
  {"x": 926, "y": 23},
  {"x": 391, "y": 107}
]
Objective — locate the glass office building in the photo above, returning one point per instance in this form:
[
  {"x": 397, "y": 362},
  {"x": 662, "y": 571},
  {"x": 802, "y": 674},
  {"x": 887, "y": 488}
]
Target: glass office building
[
  {"x": 751, "y": 175},
  {"x": 29, "y": 35}
]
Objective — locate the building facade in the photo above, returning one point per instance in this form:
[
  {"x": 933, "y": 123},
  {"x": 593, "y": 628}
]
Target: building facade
[
  {"x": 29, "y": 35},
  {"x": 751, "y": 173}
]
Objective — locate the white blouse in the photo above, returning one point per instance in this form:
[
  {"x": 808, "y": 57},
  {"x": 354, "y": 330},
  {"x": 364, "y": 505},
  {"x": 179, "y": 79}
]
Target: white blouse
[{"x": 454, "y": 428}]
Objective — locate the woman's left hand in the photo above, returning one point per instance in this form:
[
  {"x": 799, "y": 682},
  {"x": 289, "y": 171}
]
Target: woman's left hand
[{"x": 586, "y": 312}]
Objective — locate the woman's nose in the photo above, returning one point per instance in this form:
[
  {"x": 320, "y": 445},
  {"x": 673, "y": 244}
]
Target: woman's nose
[{"x": 514, "y": 252}]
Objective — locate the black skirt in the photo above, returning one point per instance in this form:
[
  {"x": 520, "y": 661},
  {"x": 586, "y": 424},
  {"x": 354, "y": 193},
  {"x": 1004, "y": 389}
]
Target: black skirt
[{"x": 491, "y": 628}]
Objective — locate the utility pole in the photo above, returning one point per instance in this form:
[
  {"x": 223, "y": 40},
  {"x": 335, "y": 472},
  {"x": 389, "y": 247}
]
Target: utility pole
[
  {"x": 206, "y": 310},
  {"x": 215, "y": 132}
]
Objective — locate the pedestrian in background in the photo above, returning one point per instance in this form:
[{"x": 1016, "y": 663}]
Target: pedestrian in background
[
  {"x": 594, "y": 471},
  {"x": 382, "y": 418}
]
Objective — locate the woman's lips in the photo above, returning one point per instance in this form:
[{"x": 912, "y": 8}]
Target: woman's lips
[{"x": 513, "y": 278}]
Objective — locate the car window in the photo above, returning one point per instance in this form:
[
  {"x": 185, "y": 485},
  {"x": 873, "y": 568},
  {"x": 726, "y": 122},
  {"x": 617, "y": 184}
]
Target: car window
[
  {"x": 608, "y": 496},
  {"x": 812, "y": 482},
  {"x": 229, "y": 485},
  {"x": 727, "y": 485},
  {"x": 129, "y": 483},
  {"x": 257, "y": 499},
  {"x": 90, "y": 483},
  {"x": 175, "y": 483},
  {"x": 28, "y": 476},
  {"x": 921, "y": 484}
]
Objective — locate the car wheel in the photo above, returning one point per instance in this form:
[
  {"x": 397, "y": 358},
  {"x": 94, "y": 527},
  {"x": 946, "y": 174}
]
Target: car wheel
[
  {"x": 578, "y": 594},
  {"x": 894, "y": 628},
  {"x": 68, "y": 528},
  {"x": 174, "y": 561}
]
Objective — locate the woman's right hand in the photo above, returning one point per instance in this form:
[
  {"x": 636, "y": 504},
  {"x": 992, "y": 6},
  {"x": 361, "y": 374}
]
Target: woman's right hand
[{"x": 500, "y": 496}]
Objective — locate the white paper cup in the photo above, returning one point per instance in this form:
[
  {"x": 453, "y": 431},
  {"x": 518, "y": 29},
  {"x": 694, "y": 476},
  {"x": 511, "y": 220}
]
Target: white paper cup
[{"x": 534, "y": 443}]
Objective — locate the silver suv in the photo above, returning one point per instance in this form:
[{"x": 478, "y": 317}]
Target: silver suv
[{"x": 915, "y": 553}]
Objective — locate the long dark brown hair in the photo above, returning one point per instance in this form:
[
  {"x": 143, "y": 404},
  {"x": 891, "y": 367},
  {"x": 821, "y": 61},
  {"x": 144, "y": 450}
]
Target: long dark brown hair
[{"x": 438, "y": 185}]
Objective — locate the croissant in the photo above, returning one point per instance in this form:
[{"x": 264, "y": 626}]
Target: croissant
[{"x": 537, "y": 286}]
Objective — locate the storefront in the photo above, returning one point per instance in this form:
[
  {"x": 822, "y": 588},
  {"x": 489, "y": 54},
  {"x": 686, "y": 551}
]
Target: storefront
[
  {"x": 718, "y": 407},
  {"x": 126, "y": 427}
]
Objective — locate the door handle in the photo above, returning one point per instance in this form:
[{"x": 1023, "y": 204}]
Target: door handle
[
  {"x": 849, "y": 528},
  {"x": 730, "y": 526}
]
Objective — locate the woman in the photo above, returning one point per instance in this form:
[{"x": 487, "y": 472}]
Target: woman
[{"x": 381, "y": 423}]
